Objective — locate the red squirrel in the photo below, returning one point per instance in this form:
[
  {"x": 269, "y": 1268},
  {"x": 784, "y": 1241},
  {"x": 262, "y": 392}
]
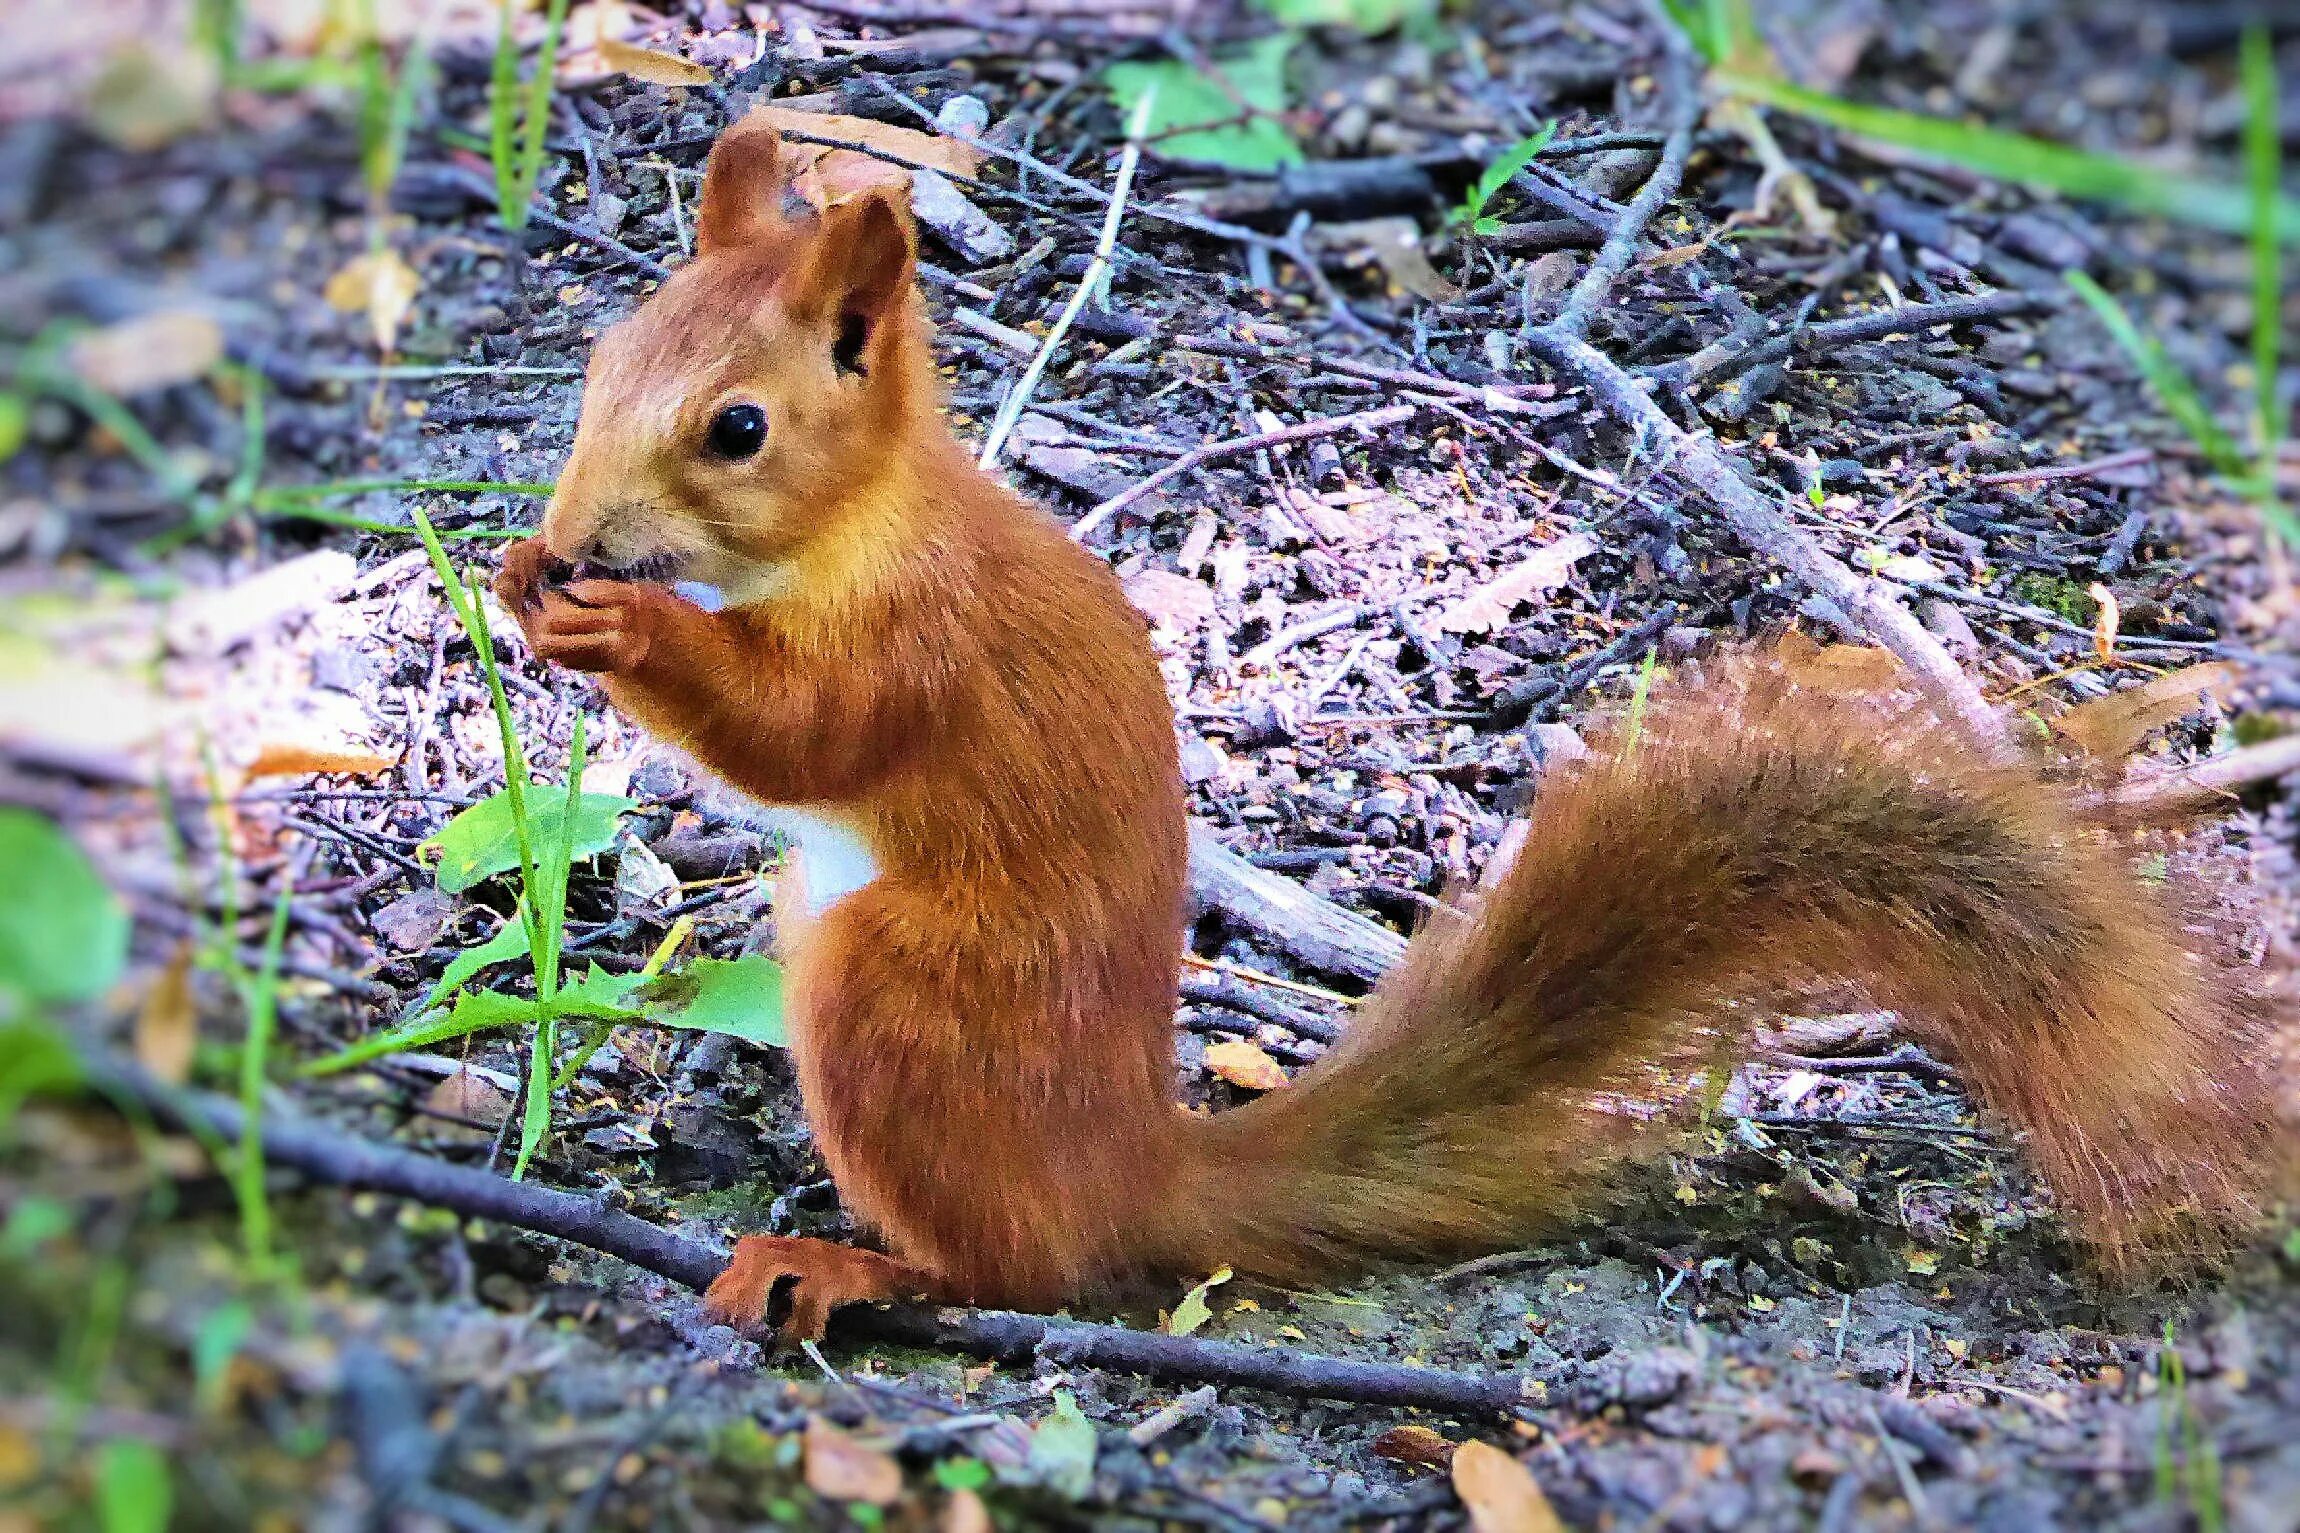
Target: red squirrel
[{"x": 981, "y": 1011}]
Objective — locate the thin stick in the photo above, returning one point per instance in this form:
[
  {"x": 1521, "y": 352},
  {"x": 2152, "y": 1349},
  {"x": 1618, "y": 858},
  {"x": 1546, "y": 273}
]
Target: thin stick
[
  {"x": 1620, "y": 246},
  {"x": 2131, "y": 457},
  {"x": 1096, "y": 270},
  {"x": 330, "y": 1156},
  {"x": 1196, "y": 457}
]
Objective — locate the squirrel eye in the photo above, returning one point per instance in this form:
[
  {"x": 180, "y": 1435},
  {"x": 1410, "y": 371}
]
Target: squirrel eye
[{"x": 738, "y": 431}]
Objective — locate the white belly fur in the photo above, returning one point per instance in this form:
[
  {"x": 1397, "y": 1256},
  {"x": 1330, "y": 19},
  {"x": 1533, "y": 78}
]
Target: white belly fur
[{"x": 833, "y": 858}]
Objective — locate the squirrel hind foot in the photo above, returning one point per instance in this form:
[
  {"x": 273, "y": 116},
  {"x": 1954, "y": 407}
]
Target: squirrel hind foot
[{"x": 822, "y": 1276}]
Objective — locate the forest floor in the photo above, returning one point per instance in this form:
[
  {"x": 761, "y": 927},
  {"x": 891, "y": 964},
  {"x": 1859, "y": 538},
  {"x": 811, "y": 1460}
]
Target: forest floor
[{"x": 1844, "y": 1303}]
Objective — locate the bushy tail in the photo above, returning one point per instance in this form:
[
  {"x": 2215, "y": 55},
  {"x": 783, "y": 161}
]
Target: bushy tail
[{"x": 1757, "y": 835}]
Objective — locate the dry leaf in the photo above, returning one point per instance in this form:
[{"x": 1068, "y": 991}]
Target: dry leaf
[
  {"x": 292, "y": 758},
  {"x": 1420, "y": 1446},
  {"x": 1546, "y": 568},
  {"x": 965, "y": 1513},
  {"x": 2112, "y": 727},
  {"x": 1173, "y": 602},
  {"x": 381, "y": 285},
  {"x": 2104, "y": 624},
  {"x": 471, "y": 1098},
  {"x": 167, "y": 1024},
  {"x": 824, "y": 176},
  {"x": 1842, "y": 668},
  {"x": 838, "y": 1468},
  {"x": 151, "y": 351},
  {"x": 146, "y": 98},
  {"x": 1500, "y": 1493},
  {"x": 1244, "y": 1064},
  {"x": 646, "y": 64},
  {"x": 1395, "y": 245}
]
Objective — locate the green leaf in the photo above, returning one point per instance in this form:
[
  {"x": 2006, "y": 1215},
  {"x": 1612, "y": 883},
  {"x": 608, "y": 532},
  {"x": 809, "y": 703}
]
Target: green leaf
[
  {"x": 1194, "y": 1311},
  {"x": 510, "y": 941},
  {"x": 961, "y": 1473},
  {"x": 742, "y": 997},
  {"x": 2184, "y": 196},
  {"x": 483, "y": 840},
  {"x": 63, "y": 935},
  {"x": 1371, "y": 17},
  {"x": 1194, "y": 118},
  {"x": 1496, "y": 176},
  {"x": 133, "y": 1492},
  {"x": 15, "y": 423},
  {"x": 34, "y": 1058},
  {"x": 2172, "y": 387},
  {"x": 475, "y": 1011},
  {"x": 1062, "y": 1449},
  {"x": 215, "y": 1342},
  {"x": 32, "y": 1223}
]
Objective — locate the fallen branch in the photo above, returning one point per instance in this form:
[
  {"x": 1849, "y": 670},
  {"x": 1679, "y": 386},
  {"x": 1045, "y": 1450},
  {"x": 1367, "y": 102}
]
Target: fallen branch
[
  {"x": 1620, "y": 246},
  {"x": 1310, "y": 930},
  {"x": 337, "y": 1159},
  {"x": 2209, "y": 783},
  {"x": 1909, "y": 319},
  {"x": 1766, "y": 530}
]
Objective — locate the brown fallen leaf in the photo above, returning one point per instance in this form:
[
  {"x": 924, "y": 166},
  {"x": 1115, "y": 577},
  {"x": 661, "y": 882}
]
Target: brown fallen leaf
[
  {"x": 1419, "y": 1446},
  {"x": 649, "y": 66},
  {"x": 295, "y": 758},
  {"x": 1850, "y": 669},
  {"x": 2106, "y": 621},
  {"x": 1244, "y": 1064},
  {"x": 1546, "y": 568},
  {"x": 1394, "y": 245},
  {"x": 965, "y": 1513},
  {"x": 825, "y": 175},
  {"x": 2110, "y": 728},
  {"x": 1172, "y": 602},
  {"x": 470, "y": 1098},
  {"x": 838, "y": 1468},
  {"x": 382, "y": 286},
  {"x": 1500, "y": 1494},
  {"x": 148, "y": 352},
  {"x": 146, "y": 96},
  {"x": 168, "y": 1024}
]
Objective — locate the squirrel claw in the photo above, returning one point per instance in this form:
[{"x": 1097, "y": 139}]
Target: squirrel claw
[
  {"x": 529, "y": 568},
  {"x": 823, "y": 1277}
]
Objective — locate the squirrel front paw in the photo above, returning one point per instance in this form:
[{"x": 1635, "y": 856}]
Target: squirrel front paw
[
  {"x": 604, "y": 626},
  {"x": 529, "y": 569},
  {"x": 823, "y": 1276}
]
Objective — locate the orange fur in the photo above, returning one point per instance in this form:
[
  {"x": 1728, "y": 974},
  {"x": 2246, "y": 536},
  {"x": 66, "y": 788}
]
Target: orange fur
[{"x": 983, "y": 1034}]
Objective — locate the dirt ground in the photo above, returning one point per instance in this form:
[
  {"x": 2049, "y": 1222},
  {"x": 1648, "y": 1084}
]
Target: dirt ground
[{"x": 1844, "y": 1303}]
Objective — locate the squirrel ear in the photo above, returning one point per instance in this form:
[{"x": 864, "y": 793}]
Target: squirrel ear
[
  {"x": 743, "y": 185},
  {"x": 864, "y": 258}
]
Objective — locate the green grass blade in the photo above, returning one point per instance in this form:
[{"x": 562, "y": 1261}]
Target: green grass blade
[
  {"x": 2172, "y": 387},
  {"x": 242, "y": 490},
  {"x": 1497, "y": 175},
  {"x": 325, "y": 517},
  {"x": 535, "y": 1123},
  {"x": 2015, "y": 157},
  {"x": 286, "y": 494},
  {"x": 2263, "y": 166},
  {"x": 262, "y": 997}
]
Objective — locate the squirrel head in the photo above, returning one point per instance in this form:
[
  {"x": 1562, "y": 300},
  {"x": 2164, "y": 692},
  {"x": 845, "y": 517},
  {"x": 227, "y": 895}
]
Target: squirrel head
[{"x": 753, "y": 409}]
